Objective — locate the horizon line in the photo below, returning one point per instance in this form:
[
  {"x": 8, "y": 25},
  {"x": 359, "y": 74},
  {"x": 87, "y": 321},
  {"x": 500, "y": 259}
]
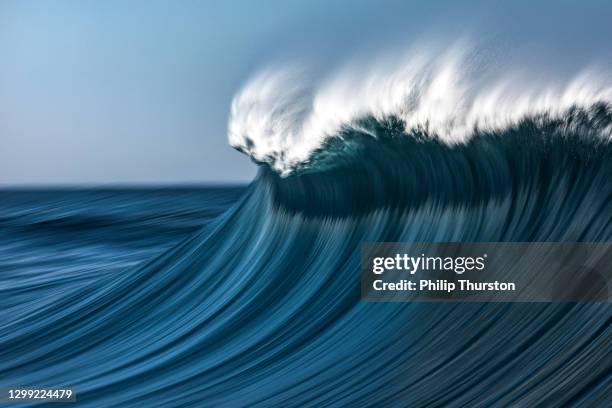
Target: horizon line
[{"x": 121, "y": 185}]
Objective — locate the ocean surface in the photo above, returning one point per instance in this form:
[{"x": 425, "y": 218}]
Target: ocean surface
[
  {"x": 250, "y": 297},
  {"x": 240, "y": 297},
  {"x": 54, "y": 236}
]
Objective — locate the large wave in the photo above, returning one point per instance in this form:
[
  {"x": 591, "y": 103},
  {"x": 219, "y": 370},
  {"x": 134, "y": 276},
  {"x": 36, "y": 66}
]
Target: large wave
[{"x": 262, "y": 307}]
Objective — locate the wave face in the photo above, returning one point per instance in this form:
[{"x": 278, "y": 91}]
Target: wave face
[{"x": 262, "y": 306}]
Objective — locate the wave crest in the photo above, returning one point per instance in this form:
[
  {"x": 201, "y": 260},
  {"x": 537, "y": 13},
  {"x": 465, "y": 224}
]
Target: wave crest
[{"x": 281, "y": 116}]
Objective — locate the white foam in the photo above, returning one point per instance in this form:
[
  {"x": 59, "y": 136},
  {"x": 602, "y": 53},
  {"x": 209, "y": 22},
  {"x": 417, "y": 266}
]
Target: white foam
[{"x": 280, "y": 116}]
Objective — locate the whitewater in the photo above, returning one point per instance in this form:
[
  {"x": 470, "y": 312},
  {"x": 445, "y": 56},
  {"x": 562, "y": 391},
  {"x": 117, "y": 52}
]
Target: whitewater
[{"x": 282, "y": 115}]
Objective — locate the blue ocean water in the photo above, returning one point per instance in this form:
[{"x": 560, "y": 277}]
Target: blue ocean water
[
  {"x": 55, "y": 239},
  {"x": 242, "y": 297}
]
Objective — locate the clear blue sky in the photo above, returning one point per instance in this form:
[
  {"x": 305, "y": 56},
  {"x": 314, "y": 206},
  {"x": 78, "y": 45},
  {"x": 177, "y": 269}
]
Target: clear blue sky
[{"x": 139, "y": 91}]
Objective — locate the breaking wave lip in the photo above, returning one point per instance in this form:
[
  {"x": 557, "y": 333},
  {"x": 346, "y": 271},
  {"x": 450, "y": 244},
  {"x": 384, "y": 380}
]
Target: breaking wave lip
[{"x": 280, "y": 117}]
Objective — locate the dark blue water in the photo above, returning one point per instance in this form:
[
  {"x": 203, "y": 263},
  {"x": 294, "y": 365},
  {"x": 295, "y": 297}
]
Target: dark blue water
[
  {"x": 53, "y": 240},
  {"x": 251, "y": 297}
]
